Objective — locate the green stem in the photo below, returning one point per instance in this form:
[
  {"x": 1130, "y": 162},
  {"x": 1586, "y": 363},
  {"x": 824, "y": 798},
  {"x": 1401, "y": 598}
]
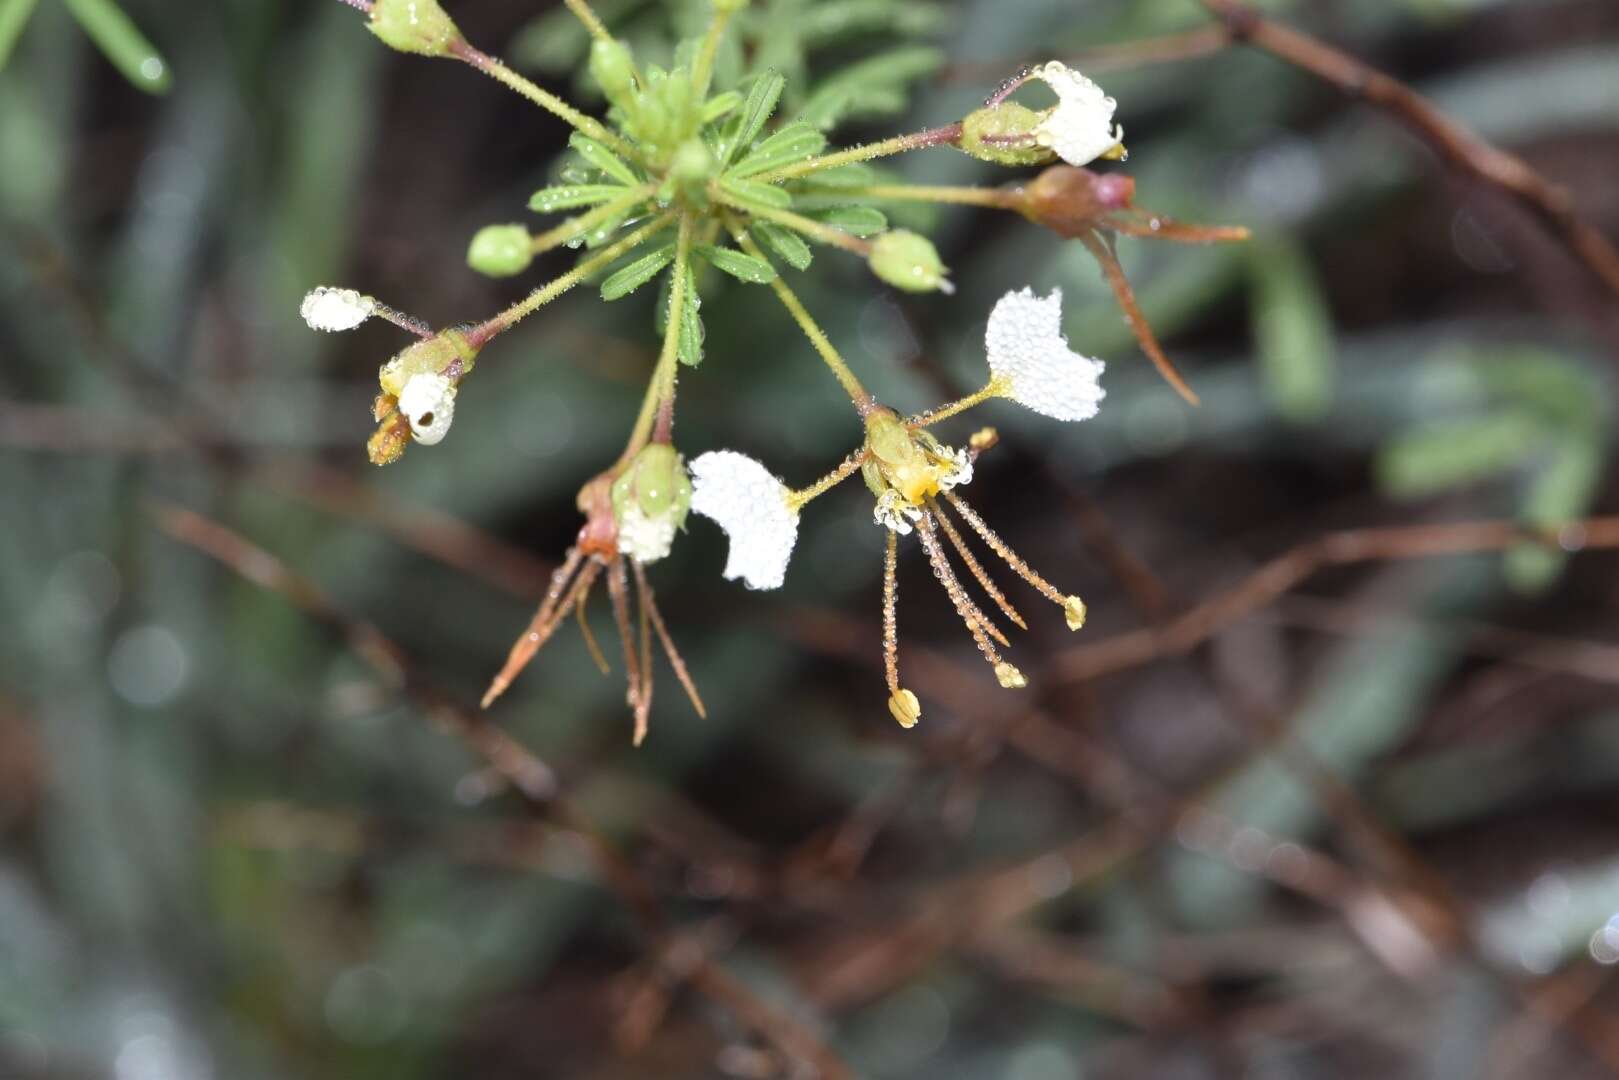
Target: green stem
[
  {"x": 994, "y": 198},
  {"x": 480, "y": 334},
  {"x": 546, "y": 100},
  {"x": 661, "y": 388},
  {"x": 703, "y": 73},
  {"x": 995, "y": 388},
  {"x": 592, "y": 21},
  {"x": 840, "y": 369},
  {"x": 899, "y": 144},
  {"x": 575, "y": 227},
  {"x": 815, "y": 230}
]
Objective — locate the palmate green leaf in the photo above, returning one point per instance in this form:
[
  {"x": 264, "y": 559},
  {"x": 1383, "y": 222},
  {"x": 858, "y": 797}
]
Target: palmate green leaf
[
  {"x": 720, "y": 105},
  {"x": 782, "y": 242},
  {"x": 854, "y": 220},
  {"x": 838, "y": 20},
  {"x": 602, "y": 158},
  {"x": 791, "y": 144},
  {"x": 572, "y": 197},
  {"x": 692, "y": 331},
  {"x": 13, "y": 17},
  {"x": 738, "y": 264},
  {"x": 749, "y": 193},
  {"x": 750, "y": 119},
  {"x": 121, "y": 42},
  {"x": 625, "y": 281}
]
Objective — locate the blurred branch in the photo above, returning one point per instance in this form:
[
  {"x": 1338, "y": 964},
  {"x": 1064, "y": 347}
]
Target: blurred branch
[
  {"x": 1550, "y": 203},
  {"x": 1290, "y": 569}
]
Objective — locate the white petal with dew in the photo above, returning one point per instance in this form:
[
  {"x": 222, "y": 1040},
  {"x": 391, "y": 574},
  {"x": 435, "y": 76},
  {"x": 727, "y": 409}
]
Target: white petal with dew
[
  {"x": 1028, "y": 351},
  {"x": 332, "y": 309},
  {"x": 751, "y": 506},
  {"x": 1080, "y": 129},
  {"x": 428, "y": 402}
]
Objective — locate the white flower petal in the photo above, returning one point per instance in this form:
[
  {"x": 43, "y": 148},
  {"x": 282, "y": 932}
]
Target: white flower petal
[
  {"x": 894, "y": 513},
  {"x": 428, "y": 402},
  {"x": 751, "y": 506},
  {"x": 331, "y": 309},
  {"x": 1080, "y": 129},
  {"x": 645, "y": 539},
  {"x": 1027, "y": 349}
]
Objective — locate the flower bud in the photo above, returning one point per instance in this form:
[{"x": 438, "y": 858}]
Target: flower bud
[
  {"x": 650, "y": 501},
  {"x": 501, "y": 250},
  {"x": 414, "y": 26},
  {"x": 1004, "y": 134},
  {"x": 614, "y": 70},
  {"x": 909, "y": 261},
  {"x": 1072, "y": 201}
]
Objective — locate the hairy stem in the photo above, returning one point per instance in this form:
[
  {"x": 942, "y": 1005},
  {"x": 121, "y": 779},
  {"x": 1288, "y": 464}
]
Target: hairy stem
[
  {"x": 994, "y": 198},
  {"x": 662, "y": 385},
  {"x": 899, "y": 144},
  {"x": 575, "y": 227}
]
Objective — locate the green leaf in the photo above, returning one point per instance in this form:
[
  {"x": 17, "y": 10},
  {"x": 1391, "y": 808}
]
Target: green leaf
[
  {"x": 13, "y": 17},
  {"x": 750, "y": 193},
  {"x": 1292, "y": 330},
  {"x": 855, "y": 220},
  {"x": 623, "y": 282},
  {"x": 602, "y": 158},
  {"x": 1442, "y": 456},
  {"x": 719, "y": 105},
  {"x": 572, "y": 196},
  {"x": 754, "y": 114},
  {"x": 871, "y": 88},
  {"x": 787, "y": 245},
  {"x": 740, "y": 265},
  {"x": 121, "y": 42},
  {"x": 791, "y": 144},
  {"x": 1561, "y": 492},
  {"x": 856, "y": 175},
  {"x": 692, "y": 331}
]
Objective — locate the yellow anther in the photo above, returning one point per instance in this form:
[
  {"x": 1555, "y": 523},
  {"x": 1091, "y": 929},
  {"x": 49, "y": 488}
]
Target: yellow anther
[
  {"x": 1073, "y": 609},
  {"x": 906, "y": 709},
  {"x": 983, "y": 439},
  {"x": 1009, "y": 676}
]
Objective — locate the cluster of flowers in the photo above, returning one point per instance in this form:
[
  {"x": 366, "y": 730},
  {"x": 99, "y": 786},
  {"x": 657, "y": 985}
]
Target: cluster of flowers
[{"x": 679, "y": 156}]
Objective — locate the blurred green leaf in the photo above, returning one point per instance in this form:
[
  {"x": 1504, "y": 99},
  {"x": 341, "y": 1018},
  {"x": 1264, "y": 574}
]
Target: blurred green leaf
[
  {"x": 1292, "y": 330},
  {"x": 122, "y": 43},
  {"x": 1443, "y": 455},
  {"x": 742, "y": 266},
  {"x": 621, "y": 283},
  {"x": 13, "y": 17}
]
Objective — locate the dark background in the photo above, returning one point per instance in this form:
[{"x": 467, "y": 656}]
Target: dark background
[{"x": 1368, "y": 830}]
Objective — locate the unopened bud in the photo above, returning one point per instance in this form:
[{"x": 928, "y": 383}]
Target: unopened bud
[
  {"x": 650, "y": 501},
  {"x": 414, "y": 26},
  {"x": 909, "y": 261},
  {"x": 1072, "y": 201},
  {"x": 1004, "y": 134},
  {"x": 501, "y": 250},
  {"x": 447, "y": 353},
  {"x": 614, "y": 69}
]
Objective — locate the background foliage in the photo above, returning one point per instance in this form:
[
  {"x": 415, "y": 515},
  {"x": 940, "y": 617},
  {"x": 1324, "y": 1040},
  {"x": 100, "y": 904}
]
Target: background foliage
[{"x": 1369, "y": 830}]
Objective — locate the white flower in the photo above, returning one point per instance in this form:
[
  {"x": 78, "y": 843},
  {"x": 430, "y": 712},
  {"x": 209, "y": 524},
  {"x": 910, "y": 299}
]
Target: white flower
[
  {"x": 1080, "y": 129},
  {"x": 752, "y": 507},
  {"x": 1028, "y": 352},
  {"x": 645, "y": 539},
  {"x": 331, "y": 309},
  {"x": 428, "y": 402}
]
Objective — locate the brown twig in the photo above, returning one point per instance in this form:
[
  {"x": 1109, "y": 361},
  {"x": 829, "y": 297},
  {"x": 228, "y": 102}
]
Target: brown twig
[{"x": 1550, "y": 203}]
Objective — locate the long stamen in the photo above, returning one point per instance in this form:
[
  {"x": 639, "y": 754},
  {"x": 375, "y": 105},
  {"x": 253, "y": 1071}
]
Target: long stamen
[
  {"x": 558, "y": 605},
  {"x": 1126, "y": 296},
  {"x": 618, "y": 590},
  {"x": 976, "y": 568},
  {"x": 643, "y": 708},
  {"x": 901, "y": 702},
  {"x": 591, "y": 644},
  {"x": 1073, "y": 607},
  {"x": 1008, "y": 676},
  {"x": 669, "y": 650}
]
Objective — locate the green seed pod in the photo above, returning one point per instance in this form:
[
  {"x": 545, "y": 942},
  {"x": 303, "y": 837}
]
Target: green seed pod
[
  {"x": 501, "y": 250},
  {"x": 889, "y": 439},
  {"x": 1009, "y": 131},
  {"x": 446, "y": 353},
  {"x": 909, "y": 261},
  {"x": 650, "y": 501},
  {"x": 414, "y": 26}
]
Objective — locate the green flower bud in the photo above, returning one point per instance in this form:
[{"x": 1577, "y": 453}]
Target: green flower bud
[
  {"x": 501, "y": 250},
  {"x": 889, "y": 439},
  {"x": 693, "y": 163},
  {"x": 909, "y": 261},
  {"x": 446, "y": 353},
  {"x": 414, "y": 26},
  {"x": 614, "y": 70},
  {"x": 650, "y": 501},
  {"x": 1009, "y": 131}
]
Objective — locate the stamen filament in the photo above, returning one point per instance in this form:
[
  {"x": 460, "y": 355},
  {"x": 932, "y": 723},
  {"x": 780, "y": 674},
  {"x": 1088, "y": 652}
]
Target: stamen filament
[
  {"x": 589, "y": 125},
  {"x": 817, "y": 337},
  {"x": 1073, "y": 607},
  {"x": 890, "y": 612},
  {"x": 850, "y": 466},
  {"x": 976, "y": 568},
  {"x": 975, "y": 620},
  {"x": 557, "y": 606},
  {"x": 669, "y": 650},
  {"x": 899, "y": 144},
  {"x": 591, "y": 644},
  {"x": 499, "y": 324},
  {"x": 575, "y": 227}
]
